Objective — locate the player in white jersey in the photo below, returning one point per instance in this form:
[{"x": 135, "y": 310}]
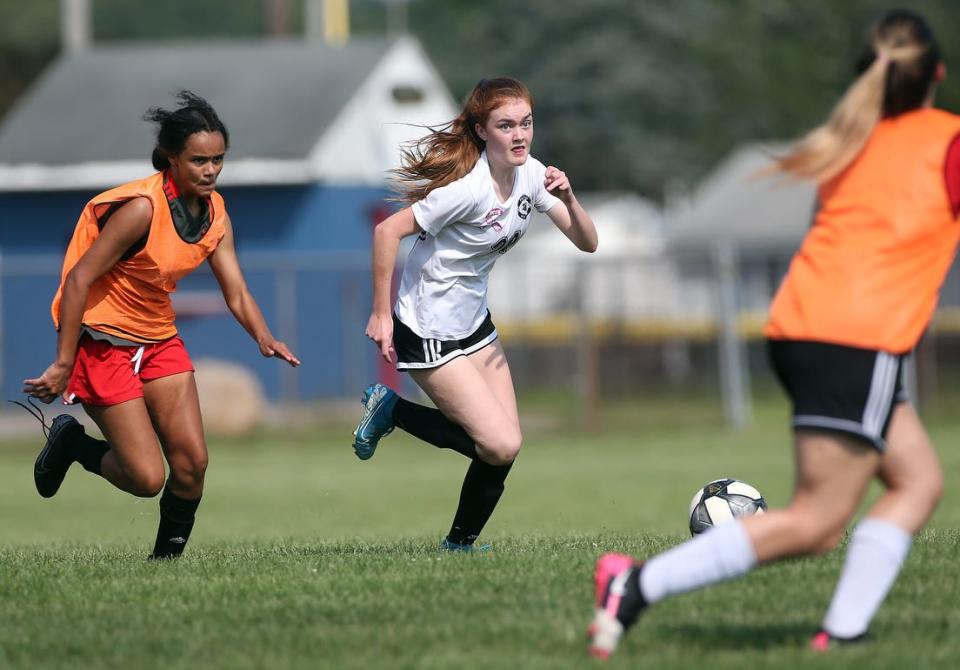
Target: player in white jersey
[{"x": 471, "y": 188}]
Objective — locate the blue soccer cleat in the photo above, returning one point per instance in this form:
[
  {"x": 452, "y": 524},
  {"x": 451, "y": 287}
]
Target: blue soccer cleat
[
  {"x": 377, "y": 420},
  {"x": 451, "y": 546}
]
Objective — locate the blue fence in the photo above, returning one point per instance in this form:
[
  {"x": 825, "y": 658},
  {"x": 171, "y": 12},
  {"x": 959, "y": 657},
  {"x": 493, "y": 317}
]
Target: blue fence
[{"x": 317, "y": 302}]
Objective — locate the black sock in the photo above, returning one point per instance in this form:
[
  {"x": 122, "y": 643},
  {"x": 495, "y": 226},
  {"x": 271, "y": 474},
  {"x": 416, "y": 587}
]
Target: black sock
[
  {"x": 431, "y": 426},
  {"x": 633, "y": 600},
  {"x": 176, "y": 522},
  {"x": 482, "y": 488},
  {"x": 89, "y": 452}
]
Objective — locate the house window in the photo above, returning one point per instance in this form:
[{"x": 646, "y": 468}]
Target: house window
[{"x": 405, "y": 94}]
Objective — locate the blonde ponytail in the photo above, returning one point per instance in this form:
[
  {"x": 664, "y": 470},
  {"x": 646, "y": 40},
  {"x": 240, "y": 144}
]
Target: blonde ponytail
[{"x": 828, "y": 149}]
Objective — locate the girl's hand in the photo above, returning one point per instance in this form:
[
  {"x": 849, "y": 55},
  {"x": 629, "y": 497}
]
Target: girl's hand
[
  {"x": 557, "y": 184},
  {"x": 49, "y": 385},
  {"x": 272, "y": 348},
  {"x": 380, "y": 330}
]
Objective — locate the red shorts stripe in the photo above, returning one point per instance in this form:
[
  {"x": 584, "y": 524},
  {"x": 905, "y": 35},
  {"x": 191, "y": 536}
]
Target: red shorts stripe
[{"x": 105, "y": 374}]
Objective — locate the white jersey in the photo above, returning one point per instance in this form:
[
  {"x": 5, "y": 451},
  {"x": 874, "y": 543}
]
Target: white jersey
[{"x": 443, "y": 292}]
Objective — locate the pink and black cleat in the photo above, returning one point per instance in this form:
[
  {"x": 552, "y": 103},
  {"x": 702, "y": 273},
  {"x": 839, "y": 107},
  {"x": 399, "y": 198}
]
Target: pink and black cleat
[
  {"x": 618, "y": 602},
  {"x": 608, "y": 567},
  {"x": 823, "y": 641}
]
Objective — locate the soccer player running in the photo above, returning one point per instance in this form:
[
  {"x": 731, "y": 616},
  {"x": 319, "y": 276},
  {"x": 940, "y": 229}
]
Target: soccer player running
[
  {"x": 472, "y": 186},
  {"x": 118, "y": 352},
  {"x": 857, "y": 297}
]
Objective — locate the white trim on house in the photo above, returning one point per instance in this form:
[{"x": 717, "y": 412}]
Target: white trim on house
[
  {"x": 357, "y": 148},
  {"x": 362, "y": 143},
  {"x": 241, "y": 172}
]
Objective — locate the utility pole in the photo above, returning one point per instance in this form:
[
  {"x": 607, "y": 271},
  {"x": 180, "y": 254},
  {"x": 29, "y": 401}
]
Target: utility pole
[
  {"x": 275, "y": 15},
  {"x": 76, "y": 25},
  {"x": 328, "y": 20},
  {"x": 398, "y": 17}
]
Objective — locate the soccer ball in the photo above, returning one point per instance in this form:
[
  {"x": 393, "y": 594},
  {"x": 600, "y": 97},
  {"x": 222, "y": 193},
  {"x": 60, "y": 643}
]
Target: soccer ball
[{"x": 723, "y": 500}]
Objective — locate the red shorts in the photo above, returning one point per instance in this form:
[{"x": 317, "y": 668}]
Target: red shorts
[{"x": 105, "y": 374}]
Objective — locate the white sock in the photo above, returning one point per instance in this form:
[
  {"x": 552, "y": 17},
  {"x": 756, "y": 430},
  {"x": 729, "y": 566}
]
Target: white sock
[
  {"x": 874, "y": 557},
  {"x": 721, "y": 553}
]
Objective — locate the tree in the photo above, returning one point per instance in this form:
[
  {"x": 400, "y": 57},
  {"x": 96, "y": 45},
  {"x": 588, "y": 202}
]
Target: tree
[{"x": 629, "y": 94}]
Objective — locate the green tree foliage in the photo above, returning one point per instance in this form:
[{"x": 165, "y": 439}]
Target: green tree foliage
[
  {"x": 636, "y": 94},
  {"x": 630, "y": 94}
]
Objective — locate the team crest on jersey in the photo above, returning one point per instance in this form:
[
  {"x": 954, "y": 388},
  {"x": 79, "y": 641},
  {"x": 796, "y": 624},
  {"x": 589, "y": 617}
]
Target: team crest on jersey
[
  {"x": 491, "y": 219},
  {"x": 523, "y": 206}
]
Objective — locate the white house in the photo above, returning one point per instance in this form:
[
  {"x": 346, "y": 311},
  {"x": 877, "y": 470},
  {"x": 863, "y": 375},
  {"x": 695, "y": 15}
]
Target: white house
[{"x": 298, "y": 112}]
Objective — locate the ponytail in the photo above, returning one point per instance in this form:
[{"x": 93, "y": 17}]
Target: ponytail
[
  {"x": 174, "y": 127},
  {"x": 897, "y": 72},
  {"x": 449, "y": 152},
  {"x": 159, "y": 159},
  {"x": 443, "y": 156}
]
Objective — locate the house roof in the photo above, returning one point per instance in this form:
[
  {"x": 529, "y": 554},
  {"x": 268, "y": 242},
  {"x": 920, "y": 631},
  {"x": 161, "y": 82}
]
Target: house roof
[
  {"x": 82, "y": 122},
  {"x": 276, "y": 97},
  {"x": 733, "y": 204}
]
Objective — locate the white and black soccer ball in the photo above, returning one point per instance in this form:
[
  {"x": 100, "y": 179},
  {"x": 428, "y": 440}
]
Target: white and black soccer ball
[{"x": 723, "y": 500}]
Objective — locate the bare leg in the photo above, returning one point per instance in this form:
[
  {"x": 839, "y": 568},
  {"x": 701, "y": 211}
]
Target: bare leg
[
  {"x": 492, "y": 364},
  {"x": 175, "y": 410},
  {"x": 476, "y": 392},
  {"x": 880, "y": 542},
  {"x": 911, "y": 472},
  {"x": 134, "y": 463},
  {"x": 833, "y": 472},
  {"x": 478, "y": 395}
]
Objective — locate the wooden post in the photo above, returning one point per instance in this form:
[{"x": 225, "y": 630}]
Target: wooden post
[
  {"x": 734, "y": 376},
  {"x": 588, "y": 387},
  {"x": 285, "y": 295}
]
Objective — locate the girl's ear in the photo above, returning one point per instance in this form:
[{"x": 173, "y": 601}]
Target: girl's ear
[{"x": 941, "y": 73}]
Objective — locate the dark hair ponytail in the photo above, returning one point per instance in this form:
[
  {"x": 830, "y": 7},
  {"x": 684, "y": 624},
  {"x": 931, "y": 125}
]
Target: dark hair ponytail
[{"x": 194, "y": 115}]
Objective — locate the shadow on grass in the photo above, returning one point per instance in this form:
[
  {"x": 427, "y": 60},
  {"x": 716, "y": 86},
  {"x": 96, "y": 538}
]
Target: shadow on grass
[{"x": 713, "y": 635}]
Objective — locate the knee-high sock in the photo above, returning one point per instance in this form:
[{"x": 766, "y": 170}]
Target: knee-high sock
[
  {"x": 721, "y": 553},
  {"x": 431, "y": 426},
  {"x": 88, "y": 452},
  {"x": 176, "y": 521},
  {"x": 482, "y": 488},
  {"x": 875, "y": 555}
]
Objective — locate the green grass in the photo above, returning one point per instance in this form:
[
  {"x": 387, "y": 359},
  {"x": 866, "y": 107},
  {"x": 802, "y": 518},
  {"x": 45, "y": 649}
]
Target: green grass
[{"x": 304, "y": 557}]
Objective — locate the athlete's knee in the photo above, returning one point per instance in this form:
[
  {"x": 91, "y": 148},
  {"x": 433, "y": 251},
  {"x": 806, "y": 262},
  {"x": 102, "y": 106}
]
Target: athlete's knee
[
  {"x": 925, "y": 492},
  {"x": 820, "y": 537},
  {"x": 814, "y": 534},
  {"x": 929, "y": 484},
  {"x": 189, "y": 466},
  {"x": 922, "y": 491},
  {"x": 145, "y": 482},
  {"x": 827, "y": 541},
  {"x": 504, "y": 449},
  {"x": 934, "y": 489}
]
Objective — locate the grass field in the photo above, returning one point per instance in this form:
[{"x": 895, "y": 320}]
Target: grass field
[{"x": 304, "y": 557}]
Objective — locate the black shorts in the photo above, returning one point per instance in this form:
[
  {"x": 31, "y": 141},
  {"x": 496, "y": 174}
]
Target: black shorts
[
  {"x": 417, "y": 353},
  {"x": 839, "y": 388}
]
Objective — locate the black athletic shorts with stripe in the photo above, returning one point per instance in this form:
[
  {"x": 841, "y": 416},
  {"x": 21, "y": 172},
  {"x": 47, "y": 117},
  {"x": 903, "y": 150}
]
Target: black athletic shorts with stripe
[
  {"x": 417, "y": 353},
  {"x": 839, "y": 388}
]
